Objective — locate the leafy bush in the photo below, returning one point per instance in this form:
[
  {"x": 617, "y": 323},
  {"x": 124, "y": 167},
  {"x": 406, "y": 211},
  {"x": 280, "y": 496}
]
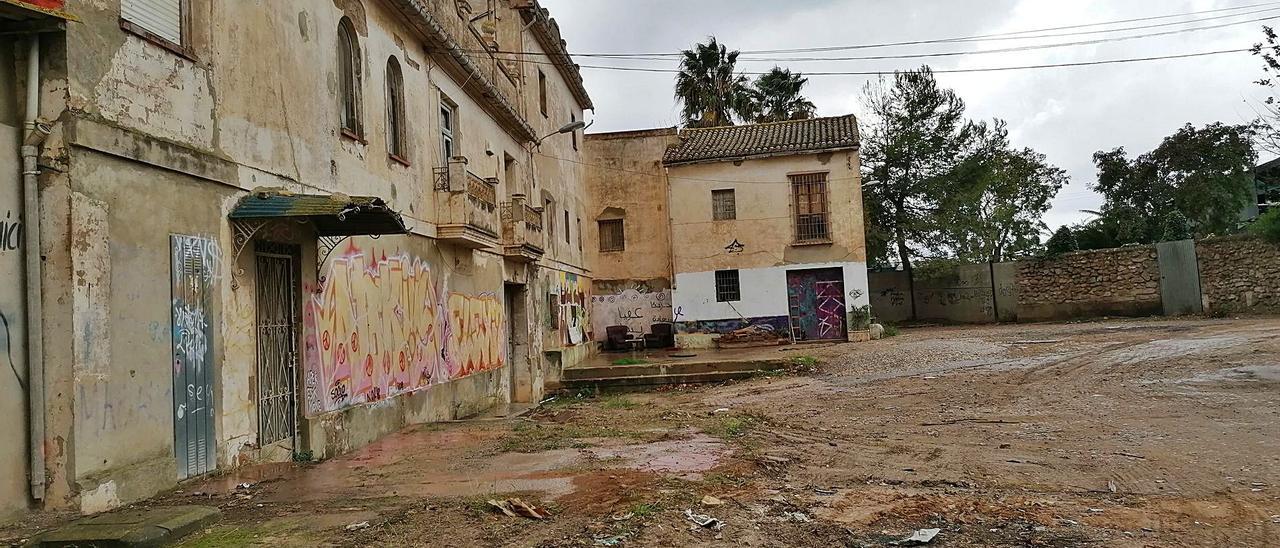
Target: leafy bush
[
  {"x": 890, "y": 330},
  {"x": 1267, "y": 226}
]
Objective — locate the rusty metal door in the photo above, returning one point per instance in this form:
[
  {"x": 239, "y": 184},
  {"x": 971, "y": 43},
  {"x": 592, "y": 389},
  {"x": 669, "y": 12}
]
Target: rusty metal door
[
  {"x": 194, "y": 271},
  {"x": 277, "y": 334},
  {"x": 1179, "y": 277}
]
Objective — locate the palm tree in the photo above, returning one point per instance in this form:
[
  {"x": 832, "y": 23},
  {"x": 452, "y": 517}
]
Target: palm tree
[
  {"x": 709, "y": 90},
  {"x": 776, "y": 97}
]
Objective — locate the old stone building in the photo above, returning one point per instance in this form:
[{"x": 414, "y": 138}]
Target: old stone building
[
  {"x": 755, "y": 227},
  {"x": 280, "y": 229}
]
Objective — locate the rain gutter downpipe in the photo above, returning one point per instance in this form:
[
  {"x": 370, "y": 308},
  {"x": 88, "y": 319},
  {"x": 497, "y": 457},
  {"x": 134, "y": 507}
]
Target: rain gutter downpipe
[{"x": 35, "y": 133}]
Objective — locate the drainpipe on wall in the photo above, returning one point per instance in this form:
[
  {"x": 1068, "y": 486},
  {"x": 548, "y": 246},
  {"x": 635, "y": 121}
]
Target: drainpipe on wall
[{"x": 35, "y": 134}]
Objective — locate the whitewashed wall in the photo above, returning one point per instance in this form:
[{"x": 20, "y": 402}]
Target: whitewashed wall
[{"x": 764, "y": 292}]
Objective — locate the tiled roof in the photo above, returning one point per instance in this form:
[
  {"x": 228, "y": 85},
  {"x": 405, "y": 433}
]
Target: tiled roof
[{"x": 774, "y": 138}]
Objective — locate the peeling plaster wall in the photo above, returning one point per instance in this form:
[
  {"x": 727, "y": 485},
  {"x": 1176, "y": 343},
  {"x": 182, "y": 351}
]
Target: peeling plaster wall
[
  {"x": 121, "y": 315},
  {"x": 13, "y": 331},
  {"x": 161, "y": 144}
]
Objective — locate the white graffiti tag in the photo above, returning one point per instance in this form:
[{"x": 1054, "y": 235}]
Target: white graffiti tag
[{"x": 189, "y": 326}]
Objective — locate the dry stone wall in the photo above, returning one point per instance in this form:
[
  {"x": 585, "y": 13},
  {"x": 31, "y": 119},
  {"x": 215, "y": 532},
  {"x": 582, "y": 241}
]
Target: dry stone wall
[
  {"x": 1239, "y": 274},
  {"x": 1110, "y": 282}
]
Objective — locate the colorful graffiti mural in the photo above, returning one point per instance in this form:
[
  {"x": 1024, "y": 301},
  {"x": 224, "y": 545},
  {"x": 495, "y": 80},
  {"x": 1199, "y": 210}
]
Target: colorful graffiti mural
[
  {"x": 382, "y": 325},
  {"x": 572, "y": 316}
]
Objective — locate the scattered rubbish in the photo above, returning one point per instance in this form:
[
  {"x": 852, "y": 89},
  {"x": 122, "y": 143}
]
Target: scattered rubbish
[
  {"x": 720, "y": 410},
  {"x": 1070, "y": 522},
  {"x": 1159, "y": 481},
  {"x": 1038, "y": 341},
  {"x": 198, "y": 493},
  {"x": 358, "y": 526},
  {"x": 516, "y": 507},
  {"x": 1130, "y": 455},
  {"x": 1111, "y": 486},
  {"x": 711, "y": 501},
  {"x": 1095, "y": 510},
  {"x": 244, "y": 485},
  {"x": 798, "y": 517},
  {"x": 824, "y": 492},
  {"x": 704, "y": 521},
  {"x": 1275, "y": 518},
  {"x": 548, "y": 400},
  {"x": 920, "y": 536},
  {"x": 623, "y": 517},
  {"x": 611, "y": 541},
  {"x": 1006, "y": 445},
  {"x": 929, "y": 377}
]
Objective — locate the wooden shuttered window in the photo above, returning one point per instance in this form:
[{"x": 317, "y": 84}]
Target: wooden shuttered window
[
  {"x": 612, "y": 237},
  {"x": 724, "y": 205}
]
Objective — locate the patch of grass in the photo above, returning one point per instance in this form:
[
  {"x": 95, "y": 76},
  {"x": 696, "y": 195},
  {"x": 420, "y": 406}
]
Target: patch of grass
[
  {"x": 220, "y": 536},
  {"x": 724, "y": 479},
  {"x": 629, "y": 361},
  {"x": 532, "y": 437},
  {"x": 733, "y": 426},
  {"x": 645, "y": 509},
  {"x": 618, "y": 402},
  {"x": 804, "y": 361}
]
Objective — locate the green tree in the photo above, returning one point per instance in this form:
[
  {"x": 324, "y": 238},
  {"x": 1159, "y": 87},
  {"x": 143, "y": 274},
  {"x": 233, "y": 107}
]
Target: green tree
[
  {"x": 997, "y": 199},
  {"x": 775, "y": 97},
  {"x": 1194, "y": 184},
  {"x": 709, "y": 89},
  {"x": 910, "y": 145}
]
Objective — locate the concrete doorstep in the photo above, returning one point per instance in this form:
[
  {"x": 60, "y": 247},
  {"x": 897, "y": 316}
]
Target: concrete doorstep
[{"x": 132, "y": 527}]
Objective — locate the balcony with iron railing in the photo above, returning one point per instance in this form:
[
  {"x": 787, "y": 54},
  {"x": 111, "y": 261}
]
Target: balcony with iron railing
[
  {"x": 466, "y": 206},
  {"x": 522, "y": 235}
]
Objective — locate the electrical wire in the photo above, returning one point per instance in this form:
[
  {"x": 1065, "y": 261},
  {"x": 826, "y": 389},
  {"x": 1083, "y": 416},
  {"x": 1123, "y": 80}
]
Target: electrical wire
[
  {"x": 952, "y": 71},
  {"x": 1013, "y": 35}
]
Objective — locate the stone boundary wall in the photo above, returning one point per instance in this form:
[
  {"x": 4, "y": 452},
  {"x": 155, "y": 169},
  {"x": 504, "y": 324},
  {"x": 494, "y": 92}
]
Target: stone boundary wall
[
  {"x": 1239, "y": 274},
  {"x": 1109, "y": 282}
]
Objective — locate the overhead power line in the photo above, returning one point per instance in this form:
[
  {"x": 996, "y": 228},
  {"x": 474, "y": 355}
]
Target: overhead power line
[
  {"x": 953, "y": 71},
  {"x": 1012, "y": 35},
  {"x": 988, "y": 51}
]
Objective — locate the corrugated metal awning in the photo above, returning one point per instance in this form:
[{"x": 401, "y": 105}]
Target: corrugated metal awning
[{"x": 332, "y": 215}]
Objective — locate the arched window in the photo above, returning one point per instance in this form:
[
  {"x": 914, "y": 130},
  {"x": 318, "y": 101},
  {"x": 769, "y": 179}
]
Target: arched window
[
  {"x": 349, "y": 79},
  {"x": 395, "y": 111}
]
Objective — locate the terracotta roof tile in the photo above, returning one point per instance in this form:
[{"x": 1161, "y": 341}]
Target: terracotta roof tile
[{"x": 737, "y": 142}]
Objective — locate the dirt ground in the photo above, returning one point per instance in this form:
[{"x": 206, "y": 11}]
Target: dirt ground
[{"x": 1118, "y": 433}]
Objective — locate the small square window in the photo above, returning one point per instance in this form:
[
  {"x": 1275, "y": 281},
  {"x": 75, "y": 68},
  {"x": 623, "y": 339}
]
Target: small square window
[
  {"x": 612, "y": 237},
  {"x": 724, "y": 205},
  {"x": 728, "y": 287}
]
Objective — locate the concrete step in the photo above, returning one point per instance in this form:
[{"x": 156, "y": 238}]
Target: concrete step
[
  {"x": 656, "y": 380},
  {"x": 131, "y": 527},
  {"x": 670, "y": 368}
]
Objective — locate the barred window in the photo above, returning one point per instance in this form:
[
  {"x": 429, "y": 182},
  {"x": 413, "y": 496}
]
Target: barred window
[
  {"x": 724, "y": 205},
  {"x": 811, "y": 212},
  {"x": 612, "y": 237},
  {"x": 728, "y": 287}
]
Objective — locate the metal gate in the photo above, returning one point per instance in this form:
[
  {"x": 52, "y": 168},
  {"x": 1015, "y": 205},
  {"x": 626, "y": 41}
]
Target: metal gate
[
  {"x": 1179, "y": 277},
  {"x": 816, "y": 304},
  {"x": 277, "y": 342},
  {"x": 194, "y": 270}
]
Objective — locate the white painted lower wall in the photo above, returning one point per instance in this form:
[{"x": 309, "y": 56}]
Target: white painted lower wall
[{"x": 764, "y": 292}]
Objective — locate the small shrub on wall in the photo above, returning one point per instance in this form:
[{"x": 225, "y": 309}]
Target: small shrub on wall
[{"x": 1267, "y": 226}]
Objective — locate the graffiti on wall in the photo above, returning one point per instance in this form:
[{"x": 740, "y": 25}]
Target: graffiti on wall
[
  {"x": 383, "y": 325},
  {"x": 571, "y": 293},
  {"x": 10, "y": 232},
  {"x": 635, "y": 309}
]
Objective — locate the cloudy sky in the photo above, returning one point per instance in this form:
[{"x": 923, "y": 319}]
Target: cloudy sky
[{"x": 1065, "y": 113}]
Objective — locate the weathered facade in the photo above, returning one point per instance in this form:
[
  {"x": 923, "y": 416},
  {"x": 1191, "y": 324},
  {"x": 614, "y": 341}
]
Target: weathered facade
[
  {"x": 764, "y": 222},
  {"x": 220, "y": 193}
]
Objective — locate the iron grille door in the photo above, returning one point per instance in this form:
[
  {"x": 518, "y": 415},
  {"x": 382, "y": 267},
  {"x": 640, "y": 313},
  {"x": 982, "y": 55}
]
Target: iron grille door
[
  {"x": 193, "y": 270},
  {"x": 277, "y": 342}
]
